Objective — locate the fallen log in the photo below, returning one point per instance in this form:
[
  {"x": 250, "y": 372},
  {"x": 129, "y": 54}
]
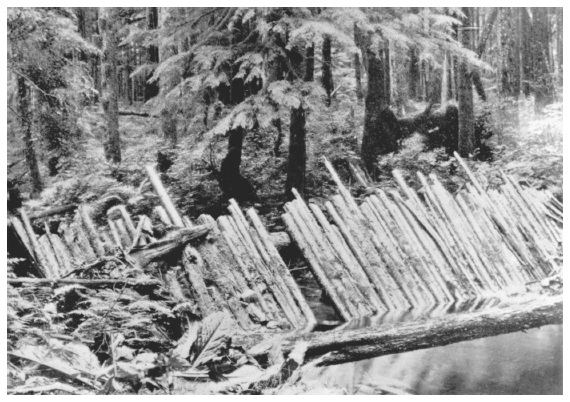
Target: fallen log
[
  {"x": 175, "y": 239},
  {"x": 54, "y": 211},
  {"x": 138, "y": 114},
  {"x": 366, "y": 343},
  {"x": 84, "y": 282}
]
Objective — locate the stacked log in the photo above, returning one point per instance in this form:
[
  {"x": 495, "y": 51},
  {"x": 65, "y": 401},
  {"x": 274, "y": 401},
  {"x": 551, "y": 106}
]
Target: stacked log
[{"x": 399, "y": 250}]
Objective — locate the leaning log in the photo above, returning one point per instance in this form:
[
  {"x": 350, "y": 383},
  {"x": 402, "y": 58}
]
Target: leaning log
[
  {"x": 336, "y": 347},
  {"x": 164, "y": 198}
]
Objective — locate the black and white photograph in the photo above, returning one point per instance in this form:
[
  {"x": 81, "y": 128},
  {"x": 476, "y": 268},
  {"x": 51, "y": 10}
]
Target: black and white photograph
[{"x": 324, "y": 200}]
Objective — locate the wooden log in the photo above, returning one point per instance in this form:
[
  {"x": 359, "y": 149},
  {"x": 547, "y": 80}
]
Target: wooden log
[
  {"x": 50, "y": 256},
  {"x": 492, "y": 249},
  {"x": 360, "y": 344},
  {"x": 498, "y": 218},
  {"x": 402, "y": 274},
  {"x": 115, "y": 233},
  {"x": 274, "y": 282},
  {"x": 348, "y": 287},
  {"x": 129, "y": 225},
  {"x": 54, "y": 211},
  {"x": 243, "y": 263},
  {"x": 90, "y": 230},
  {"x": 512, "y": 264},
  {"x": 346, "y": 291},
  {"x": 453, "y": 285},
  {"x": 187, "y": 221},
  {"x": 480, "y": 264},
  {"x": 457, "y": 249},
  {"x": 218, "y": 270},
  {"x": 407, "y": 250},
  {"x": 350, "y": 262},
  {"x": 512, "y": 189},
  {"x": 426, "y": 269},
  {"x": 174, "y": 240},
  {"x": 322, "y": 278},
  {"x": 192, "y": 263},
  {"x": 162, "y": 215},
  {"x": 277, "y": 262},
  {"x": 539, "y": 267},
  {"x": 69, "y": 238},
  {"x": 358, "y": 175},
  {"x": 244, "y": 245},
  {"x": 164, "y": 197},
  {"x": 37, "y": 252},
  {"x": 84, "y": 282},
  {"x": 126, "y": 240},
  {"x": 138, "y": 237},
  {"x": 364, "y": 240},
  {"x": 21, "y": 231},
  {"x": 61, "y": 254}
]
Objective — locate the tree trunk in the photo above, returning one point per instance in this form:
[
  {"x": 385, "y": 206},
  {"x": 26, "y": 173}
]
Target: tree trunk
[
  {"x": 559, "y": 44},
  {"x": 310, "y": 63},
  {"x": 387, "y": 71},
  {"x": 543, "y": 85},
  {"x": 108, "y": 22},
  {"x": 377, "y": 138},
  {"x": 435, "y": 85},
  {"x": 465, "y": 98},
  {"x": 29, "y": 150},
  {"x": 151, "y": 88},
  {"x": 357, "y": 65},
  {"x": 296, "y": 166},
  {"x": 232, "y": 183},
  {"x": 327, "y": 79},
  {"x": 168, "y": 125},
  {"x": 526, "y": 51}
]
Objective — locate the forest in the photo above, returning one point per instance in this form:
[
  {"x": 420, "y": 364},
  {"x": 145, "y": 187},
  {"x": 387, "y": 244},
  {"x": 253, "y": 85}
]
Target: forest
[{"x": 188, "y": 187}]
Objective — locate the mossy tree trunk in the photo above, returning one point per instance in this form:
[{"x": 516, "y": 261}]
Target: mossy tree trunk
[
  {"x": 466, "y": 143},
  {"x": 378, "y": 133},
  {"x": 327, "y": 80},
  {"x": 109, "y": 25},
  {"x": 29, "y": 150},
  {"x": 310, "y": 63},
  {"x": 358, "y": 62},
  {"x": 151, "y": 89},
  {"x": 543, "y": 84},
  {"x": 297, "y": 161},
  {"x": 232, "y": 183},
  {"x": 296, "y": 167}
]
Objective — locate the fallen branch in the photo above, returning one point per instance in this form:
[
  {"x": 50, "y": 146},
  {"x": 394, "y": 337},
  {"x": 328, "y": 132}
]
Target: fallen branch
[{"x": 84, "y": 282}]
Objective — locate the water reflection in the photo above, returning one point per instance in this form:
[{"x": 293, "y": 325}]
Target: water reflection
[{"x": 516, "y": 363}]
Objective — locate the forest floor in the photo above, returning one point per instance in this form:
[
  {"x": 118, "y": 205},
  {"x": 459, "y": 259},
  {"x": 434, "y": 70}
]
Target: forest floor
[{"x": 534, "y": 151}]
